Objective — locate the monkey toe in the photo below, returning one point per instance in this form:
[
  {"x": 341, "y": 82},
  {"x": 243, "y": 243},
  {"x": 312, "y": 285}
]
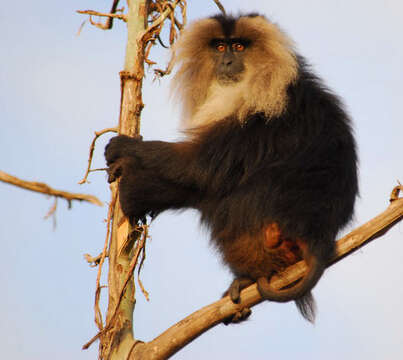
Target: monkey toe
[
  {"x": 242, "y": 315},
  {"x": 235, "y": 294},
  {"x": 238, "y": 317}
]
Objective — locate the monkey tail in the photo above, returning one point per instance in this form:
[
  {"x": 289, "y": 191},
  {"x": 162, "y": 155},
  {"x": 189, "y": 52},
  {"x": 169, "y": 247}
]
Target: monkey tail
[
  {"x": 300, "y": 292},
  {"x": 307, "y": 307}
]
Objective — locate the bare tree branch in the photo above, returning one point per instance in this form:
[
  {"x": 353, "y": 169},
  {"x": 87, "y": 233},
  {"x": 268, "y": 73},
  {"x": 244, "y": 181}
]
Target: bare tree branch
[{"x": 46, "y": 189}]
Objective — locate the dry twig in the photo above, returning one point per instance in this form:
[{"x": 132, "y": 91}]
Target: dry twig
[
  {"x": 172, "y": 36},
  {"x": 110, "y": 16},
  {"x": 142, "y": 252},
  {"x": 164, "y": 9},
  {"x": 97, "y": 309},
  {"x": 96, "y": 13},
  {"x": 52, "y": 213},
  {"x": 46, "y": 189},
  {"x": 92, "y": 148}
]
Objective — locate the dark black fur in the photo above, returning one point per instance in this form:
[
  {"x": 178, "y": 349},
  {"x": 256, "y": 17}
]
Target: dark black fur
[
  {"x": 299, "y": 170},
  {"x": 228, "y": 22}
]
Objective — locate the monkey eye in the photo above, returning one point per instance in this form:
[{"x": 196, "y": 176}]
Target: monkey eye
[
  {"x": 238, "y": 47},
  {"x": 221, "y": 47}
]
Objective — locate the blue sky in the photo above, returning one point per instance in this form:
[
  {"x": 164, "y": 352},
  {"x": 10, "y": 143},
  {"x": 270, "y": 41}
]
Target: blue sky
[{"x": 57, "y": 88}]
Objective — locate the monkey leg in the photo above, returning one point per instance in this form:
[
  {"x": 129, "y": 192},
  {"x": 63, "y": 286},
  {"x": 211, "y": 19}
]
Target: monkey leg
[{"x": 234, "y": 290}]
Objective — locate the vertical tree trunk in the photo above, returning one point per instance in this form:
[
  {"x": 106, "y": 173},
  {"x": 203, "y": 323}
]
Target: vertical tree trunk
[{"x": 118, "y": 340}]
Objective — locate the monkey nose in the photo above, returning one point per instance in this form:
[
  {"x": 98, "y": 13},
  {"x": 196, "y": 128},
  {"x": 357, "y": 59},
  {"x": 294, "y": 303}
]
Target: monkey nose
[{"x": 227, "y": 60}]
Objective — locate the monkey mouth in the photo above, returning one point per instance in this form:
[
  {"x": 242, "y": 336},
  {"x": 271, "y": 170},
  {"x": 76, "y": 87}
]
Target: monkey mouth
[{"x": 229, "y": 79}]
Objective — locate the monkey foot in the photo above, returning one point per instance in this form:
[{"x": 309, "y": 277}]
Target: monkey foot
[
  {"x": 238, "y": 317},
  {"x": 234, "y": 292}
]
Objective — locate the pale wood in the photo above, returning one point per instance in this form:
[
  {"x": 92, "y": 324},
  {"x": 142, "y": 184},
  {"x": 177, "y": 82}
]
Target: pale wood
[{"x": 117, "y": 338}]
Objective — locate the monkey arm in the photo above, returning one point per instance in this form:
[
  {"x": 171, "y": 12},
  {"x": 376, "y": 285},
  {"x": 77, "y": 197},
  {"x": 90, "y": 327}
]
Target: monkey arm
[
  {"x": 154, "y": 175},
  {"x": 204, "y": 165},
  {"x": 176, "y": 162},
  {"x": 142, "y": 192},
  {"x": 145, "y": 170}
]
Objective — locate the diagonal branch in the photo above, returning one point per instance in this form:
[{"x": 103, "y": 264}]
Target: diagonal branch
[
  {"x": 46, "y": 189},
  {"x": 186, "y": 330}
]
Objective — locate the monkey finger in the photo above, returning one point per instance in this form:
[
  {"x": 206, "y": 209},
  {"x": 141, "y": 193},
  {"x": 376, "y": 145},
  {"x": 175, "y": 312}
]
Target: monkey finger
[{"x": 114, "y": 172}]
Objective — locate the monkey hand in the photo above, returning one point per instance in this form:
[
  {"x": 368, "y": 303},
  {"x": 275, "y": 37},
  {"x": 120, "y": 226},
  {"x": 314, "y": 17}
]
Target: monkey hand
[
  {"x": 134, "y": 191},
  {"x": 121, "y": 146},
  {"x": 119, "y": 155},
  {"x": 122, "y": 166}
]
